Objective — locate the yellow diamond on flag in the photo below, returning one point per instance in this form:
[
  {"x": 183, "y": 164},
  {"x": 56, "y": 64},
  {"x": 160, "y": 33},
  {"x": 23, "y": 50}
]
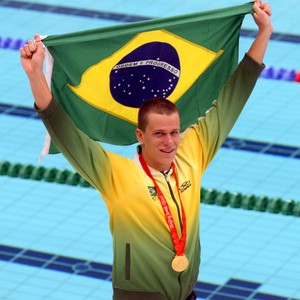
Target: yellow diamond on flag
[{"x": 152, "y": 64}]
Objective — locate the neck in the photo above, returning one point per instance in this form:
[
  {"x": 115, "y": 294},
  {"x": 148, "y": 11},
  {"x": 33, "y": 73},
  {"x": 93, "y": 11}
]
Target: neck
[
  {"x": 159, "y": 166},
  {"x": 156, "y": 166}
]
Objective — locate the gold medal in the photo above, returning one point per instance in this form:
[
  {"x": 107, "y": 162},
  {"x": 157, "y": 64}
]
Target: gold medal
[{"x": 180, "y": 263}]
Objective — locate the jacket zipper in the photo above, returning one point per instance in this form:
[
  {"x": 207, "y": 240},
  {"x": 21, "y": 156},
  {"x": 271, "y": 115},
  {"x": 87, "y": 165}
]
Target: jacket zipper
[
  {"x": 174, "y": 199},
  {"x": 127, "y": 262},
  {"x": 180, "y": 286}
]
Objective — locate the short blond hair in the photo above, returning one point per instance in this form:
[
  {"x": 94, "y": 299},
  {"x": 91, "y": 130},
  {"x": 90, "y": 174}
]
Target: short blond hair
[{"x": 160, "y": 106}]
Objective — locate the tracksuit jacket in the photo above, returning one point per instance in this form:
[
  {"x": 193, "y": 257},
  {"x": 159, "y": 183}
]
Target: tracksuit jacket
[{"x": 142, "y": 245}]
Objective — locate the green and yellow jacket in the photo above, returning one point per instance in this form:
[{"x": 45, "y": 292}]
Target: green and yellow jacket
[{"x": 142, "y": 245}]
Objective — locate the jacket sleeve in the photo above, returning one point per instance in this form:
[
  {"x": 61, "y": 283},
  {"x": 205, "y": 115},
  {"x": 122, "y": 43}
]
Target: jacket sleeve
[
  {"x": 213, "y": 128},
  {"x": 86, "y": 156}
]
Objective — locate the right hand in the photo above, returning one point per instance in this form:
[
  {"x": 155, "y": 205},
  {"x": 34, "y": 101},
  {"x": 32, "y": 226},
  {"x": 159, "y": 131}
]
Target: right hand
[{"x": 32, "y": 56}]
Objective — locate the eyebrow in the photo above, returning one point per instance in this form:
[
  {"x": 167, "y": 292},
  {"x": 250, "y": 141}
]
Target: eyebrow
[{"x": 163, "y": 130}]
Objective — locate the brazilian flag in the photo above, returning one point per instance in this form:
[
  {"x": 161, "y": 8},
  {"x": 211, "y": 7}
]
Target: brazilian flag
[{"x": 102, "y": 76}]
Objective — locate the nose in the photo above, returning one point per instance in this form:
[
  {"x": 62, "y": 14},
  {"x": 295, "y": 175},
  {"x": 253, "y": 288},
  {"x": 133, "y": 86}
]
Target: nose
[{"x": 168, "y": 140}]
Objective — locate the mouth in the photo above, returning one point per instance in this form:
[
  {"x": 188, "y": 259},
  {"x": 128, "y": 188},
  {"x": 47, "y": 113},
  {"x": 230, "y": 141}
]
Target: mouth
[{"x": 167, "y": 151}]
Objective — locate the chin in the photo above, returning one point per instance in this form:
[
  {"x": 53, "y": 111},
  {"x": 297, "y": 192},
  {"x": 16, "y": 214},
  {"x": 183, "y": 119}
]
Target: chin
[{"x": 168, "y": 160}]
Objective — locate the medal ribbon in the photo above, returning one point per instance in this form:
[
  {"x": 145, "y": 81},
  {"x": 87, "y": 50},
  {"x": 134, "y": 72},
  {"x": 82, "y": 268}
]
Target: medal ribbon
[{"x": 179, "y": 244}]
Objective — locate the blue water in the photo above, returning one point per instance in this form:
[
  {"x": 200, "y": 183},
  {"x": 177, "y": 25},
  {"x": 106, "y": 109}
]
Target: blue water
[{"x": 54, "y": 238}]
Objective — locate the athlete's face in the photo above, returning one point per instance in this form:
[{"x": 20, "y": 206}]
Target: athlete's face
[{"x": 160, "y": 140}]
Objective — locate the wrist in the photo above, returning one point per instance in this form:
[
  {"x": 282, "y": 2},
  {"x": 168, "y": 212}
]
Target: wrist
[
  {"x": 36, "y": 76},
  {"x": 265, "y": 31}
]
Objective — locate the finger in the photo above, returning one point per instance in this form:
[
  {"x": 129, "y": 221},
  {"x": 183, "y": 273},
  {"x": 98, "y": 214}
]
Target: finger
[
  {"x": 22, "y": 53},
  {"x": 258, "y": 2},
  {"x": 37, "y": 37},
  {"x": 38, "y": 42},
  {"x": 257, "y": 12},
  {"x": 27, "y": 51},
  {"x": 267, "y": 9},
  {"x": 40, "y": 48},
  {"x": 32, "y": 46},
  {"x": 256, "y": 7}
]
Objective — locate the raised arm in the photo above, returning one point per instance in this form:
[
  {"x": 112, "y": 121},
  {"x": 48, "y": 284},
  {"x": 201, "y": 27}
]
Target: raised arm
[
  {"x": 32, "y": 59},
  {"x": 261, "y": 16}
]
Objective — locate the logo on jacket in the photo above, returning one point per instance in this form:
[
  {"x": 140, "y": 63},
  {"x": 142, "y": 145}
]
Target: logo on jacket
[
  {"x": 185, "y": 186},
  {"x": 153, "y": 192}
]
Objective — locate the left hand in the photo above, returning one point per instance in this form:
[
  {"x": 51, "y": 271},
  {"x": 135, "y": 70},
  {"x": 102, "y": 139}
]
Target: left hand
[{"x": 262, "y": 13}]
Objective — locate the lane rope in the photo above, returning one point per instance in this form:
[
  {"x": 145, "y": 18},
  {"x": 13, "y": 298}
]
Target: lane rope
[{"x": 208, "y": 196}]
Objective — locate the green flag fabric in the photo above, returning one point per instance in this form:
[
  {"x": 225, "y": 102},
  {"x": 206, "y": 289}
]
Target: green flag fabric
[{"x": 102, "y": 76}]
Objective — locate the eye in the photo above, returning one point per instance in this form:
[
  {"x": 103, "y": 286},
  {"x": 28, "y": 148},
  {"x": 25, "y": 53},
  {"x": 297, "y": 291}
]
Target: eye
[
  {"x": 175, "y": 133},
  {"x": 158, "y": 134}
]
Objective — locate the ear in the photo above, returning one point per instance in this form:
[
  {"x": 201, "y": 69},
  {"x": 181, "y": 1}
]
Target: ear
[{"x": 139, "y": 135}]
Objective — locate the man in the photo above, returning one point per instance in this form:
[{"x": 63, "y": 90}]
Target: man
[{"x": 154, "y": 199}]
